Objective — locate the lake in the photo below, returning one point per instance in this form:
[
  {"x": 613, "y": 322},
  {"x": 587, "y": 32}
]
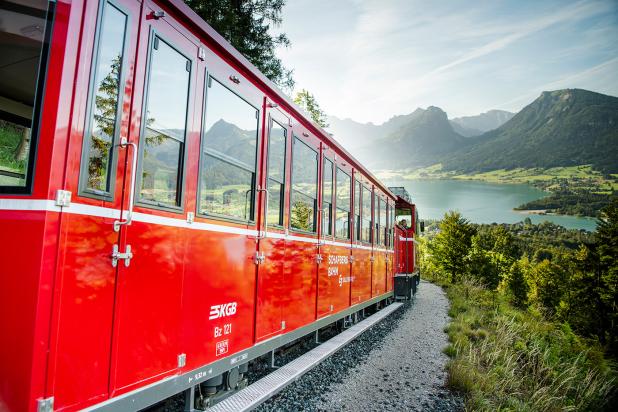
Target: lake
[{"x": 482, "y": 202}]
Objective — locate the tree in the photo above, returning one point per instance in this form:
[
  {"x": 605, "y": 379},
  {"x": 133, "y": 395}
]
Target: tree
[
  {"x": 482, "y": 263},
  {"x": 607, "y": 255},
  {"x": 517, "y": 284},
  {"x": 308, "y": 103},
  {"x": 451, "y": 245},
  {"x": 246, "y": 25}
]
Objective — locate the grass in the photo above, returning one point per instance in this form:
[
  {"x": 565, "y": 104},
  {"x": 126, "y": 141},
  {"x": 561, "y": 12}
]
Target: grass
[
  {"x": 9, "y": 139},
  {"x": 583, "y": 177},
  {"x": 574, "y": 190},
  {"x": 504, "y": 358}
]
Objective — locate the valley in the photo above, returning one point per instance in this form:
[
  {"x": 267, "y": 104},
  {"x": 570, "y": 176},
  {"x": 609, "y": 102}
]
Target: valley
[{"x": 565, "y": 143}]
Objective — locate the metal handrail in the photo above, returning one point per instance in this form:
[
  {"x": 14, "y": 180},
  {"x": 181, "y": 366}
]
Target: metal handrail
[
  {"x": 260, "y": 235},
  {"x": 124, "y": 143},
  {"x": 321, "y": 241}
]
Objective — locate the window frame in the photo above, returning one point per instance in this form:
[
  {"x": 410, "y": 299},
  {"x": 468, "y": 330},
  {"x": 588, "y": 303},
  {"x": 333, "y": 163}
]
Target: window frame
[
  {"x": 83, "y": 189},
  {"x": 331, "y": 232},
  {"x": 37, "y": 109},
  {"x": 208, "y": 76},
  {"x": 337, "y": 170},
  {"x": 180, "y": 195},
  {"x": 370, "y": 220},
  {"x": 357, "y": 224},
  {"x": 382, "y": 225},
  {"x": 317, "y": 187},
  {"x": 271, "y": 120}
]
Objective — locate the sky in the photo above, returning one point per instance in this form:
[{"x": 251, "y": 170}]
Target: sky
[{"x": 370, "y": 60}]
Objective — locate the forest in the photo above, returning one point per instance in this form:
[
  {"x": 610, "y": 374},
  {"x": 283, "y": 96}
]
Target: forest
[
  {"x": 571, "y": 202},
  {"x": 534, "y": 311}
]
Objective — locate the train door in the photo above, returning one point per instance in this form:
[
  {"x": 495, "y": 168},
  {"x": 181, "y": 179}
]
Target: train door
[
  {"x": 326, "y": 249},
  {"x": 301, "y": 247},
  {"x": 273, "y": 223},
  {"x": 78, "y": 372},
  {"x": 356, "y": 254},
  {"x": 390, "y": 261},
  {"x": 150, "y": 256},
  {"x": 362, "y": 251},
  {"x": 334, "y": 270},
  {"x": 379, "y": 261}
]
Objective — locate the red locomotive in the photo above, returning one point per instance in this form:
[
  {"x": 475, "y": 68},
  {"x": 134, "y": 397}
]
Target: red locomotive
[{"x": 166, "y": 214}]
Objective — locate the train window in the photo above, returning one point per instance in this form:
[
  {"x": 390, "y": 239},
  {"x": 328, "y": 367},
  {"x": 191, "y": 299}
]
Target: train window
[
  {"x": 366, "y": 216},
  {"x": 165, "y": 121},
  {"x": 342, "y": 203},
  {"x": 303, "y": 200},
  {"x": 276, "y": 173},
  {"x": 376, "y": 223},
  {"x": 392, "y": 225},
  {"x": 327, "y": 197},
  {"x": 227, "y": 179},
  {"x": 103, "y": 118},
  {"x": 25, "y": 30},
  {"x": 357, "y": 210},
  {"x": 389, "y": 230},
  {"x": 382, "y": 223}
]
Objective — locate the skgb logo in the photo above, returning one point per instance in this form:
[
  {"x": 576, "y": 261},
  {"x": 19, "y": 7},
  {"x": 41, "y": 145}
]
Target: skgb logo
[{"x": 223, "y": 310}]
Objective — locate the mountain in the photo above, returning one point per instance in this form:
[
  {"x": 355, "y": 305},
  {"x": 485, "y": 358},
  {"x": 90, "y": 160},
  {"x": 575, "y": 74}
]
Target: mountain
[
  {"x": 359, "y": 137},
  {"x": 426, "y": 137},
  {"x": 352, "y": 134},
  {"x": 464, "y": 131},
  {"x": 560, "y": 128},
  {"x": 481, "y": 123},
  {"x": 230, "y": 140}
]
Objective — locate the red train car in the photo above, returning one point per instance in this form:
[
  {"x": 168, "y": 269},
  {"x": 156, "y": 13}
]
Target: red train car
[
  {"x": 166, "y": 213},
  {"x": 407, "y": 227}
]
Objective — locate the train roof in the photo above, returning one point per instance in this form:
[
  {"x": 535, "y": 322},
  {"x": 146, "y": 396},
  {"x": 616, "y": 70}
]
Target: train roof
[{"x": 224, "y": 47}]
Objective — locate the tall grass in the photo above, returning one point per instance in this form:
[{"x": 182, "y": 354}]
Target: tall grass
[{"x": 503, "y": 358}]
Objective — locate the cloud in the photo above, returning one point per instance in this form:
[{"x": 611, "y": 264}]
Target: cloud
[
  {"x": 577, "y": 11},
  {"x": 592, "y": 78},
  {"x": 370, "y": 60}
]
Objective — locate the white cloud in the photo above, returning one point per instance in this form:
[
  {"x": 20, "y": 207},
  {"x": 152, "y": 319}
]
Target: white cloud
[
  {"x": 594, "y": 78},
  {"x": 370, "y": 60}
]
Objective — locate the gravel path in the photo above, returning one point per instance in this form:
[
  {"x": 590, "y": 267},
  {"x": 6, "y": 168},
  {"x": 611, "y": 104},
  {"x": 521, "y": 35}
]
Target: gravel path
[{"x": 396, "y": 365}]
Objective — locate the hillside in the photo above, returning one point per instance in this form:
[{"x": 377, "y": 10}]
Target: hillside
[
  {"x": 425, "y": 138},
  {"x": 353, "y": 135},
  {"x": 476, "y": 125},
  {"x": 560, "y": 128}
]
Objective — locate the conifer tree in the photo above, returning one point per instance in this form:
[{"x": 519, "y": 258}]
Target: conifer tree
[
  {"x": 307, "y": 101},
  {"x": 452, "y": 244},
  {"x": 246, "y": 24}
]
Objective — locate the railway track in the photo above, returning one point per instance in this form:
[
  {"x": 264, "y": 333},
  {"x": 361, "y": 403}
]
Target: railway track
[{"x": 265, "y": 388}]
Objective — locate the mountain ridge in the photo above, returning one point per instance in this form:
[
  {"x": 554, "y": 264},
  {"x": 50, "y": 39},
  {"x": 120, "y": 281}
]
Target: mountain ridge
[{"x": 565, "y": 127}]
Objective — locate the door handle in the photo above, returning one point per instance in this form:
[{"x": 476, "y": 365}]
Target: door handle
[
  {"x": 263, "y": 235},
  {"x": 124, "y": 143},
  {"x": 321, "y": 241},
  {"x": 117, "y": 255}
]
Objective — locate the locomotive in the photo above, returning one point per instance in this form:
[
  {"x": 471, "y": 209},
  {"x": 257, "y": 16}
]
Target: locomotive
[{"x": 167, "y": 215}]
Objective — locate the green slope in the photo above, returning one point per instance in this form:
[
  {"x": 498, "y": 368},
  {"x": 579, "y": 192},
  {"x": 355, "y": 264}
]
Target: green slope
[{"x": 560, "y": 128}]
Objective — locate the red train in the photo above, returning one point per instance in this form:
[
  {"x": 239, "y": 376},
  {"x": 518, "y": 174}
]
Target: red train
[{"x": 166, "y": 214}]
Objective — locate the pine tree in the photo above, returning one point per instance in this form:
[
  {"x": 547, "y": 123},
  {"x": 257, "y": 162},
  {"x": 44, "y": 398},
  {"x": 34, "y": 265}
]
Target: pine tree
[
  {"x": 308, "y": 103},
  {"x": 452, "y": 244},
  {"x": 517, "y": 283},
  {"x": 607, "y": 253},
  {"x": 246, "y": 25}
]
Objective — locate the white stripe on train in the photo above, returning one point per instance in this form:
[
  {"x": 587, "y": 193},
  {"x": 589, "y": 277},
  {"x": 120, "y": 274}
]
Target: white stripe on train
[{"x": 45, "y": 205}]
